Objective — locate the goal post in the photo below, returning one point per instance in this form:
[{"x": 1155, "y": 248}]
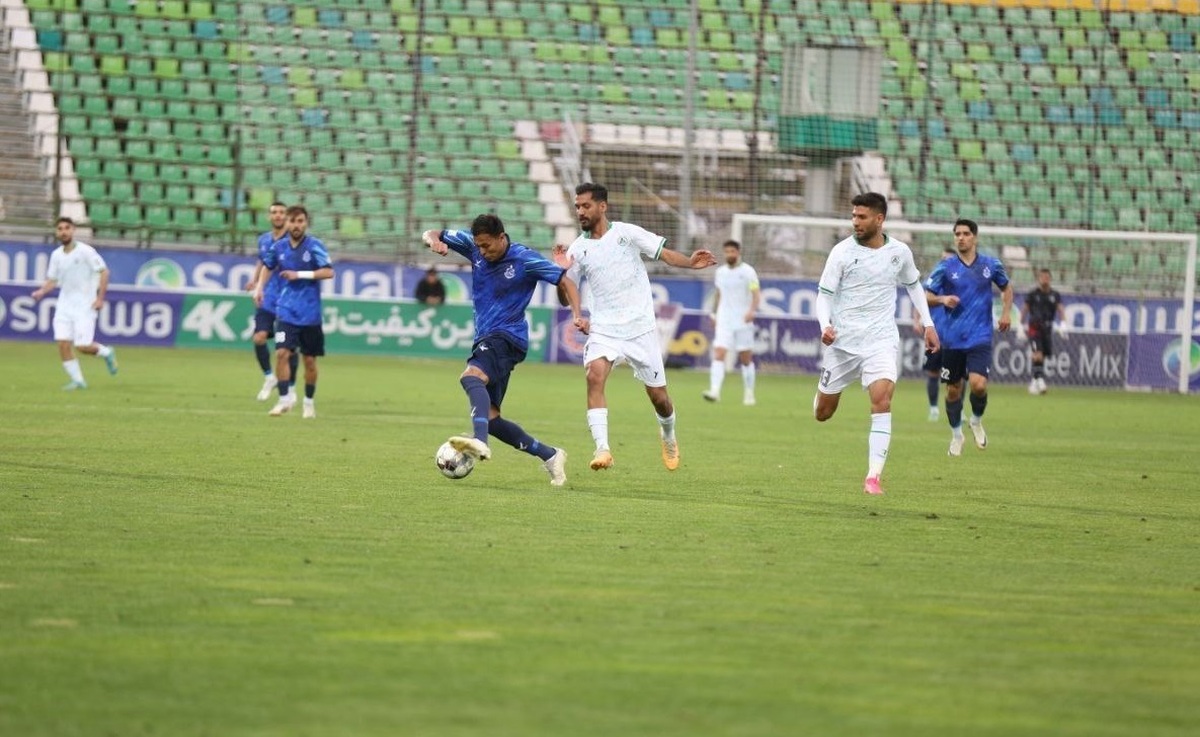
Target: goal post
[{"x": 1139, "y": 284}]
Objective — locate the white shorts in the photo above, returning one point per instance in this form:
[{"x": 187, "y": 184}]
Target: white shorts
[
  {"x": 77, "y": 327},
  {"x": 839, "y": 369},
  {"x": 642, "y": 353},
  {"x": 736, "y": 335}
]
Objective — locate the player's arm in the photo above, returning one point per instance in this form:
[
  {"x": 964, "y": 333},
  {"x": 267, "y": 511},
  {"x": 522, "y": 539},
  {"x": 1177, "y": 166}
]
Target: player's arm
[
  {"x": 101, "y": 290},
  {"x": 253, "y": 283},
  {"x": 755, "y": 300},
  {"x": 1006, "y": 297},
  {"x": 920, "y": 300},
  {"x": 321, "y": 260},
  {"x": 698, "y": 260},
  {"x": 1024, "y": 316},
  {"x": 442, "y": 241},
  {"x": 268, "y": 260},
  {"x": 716, "y": 303},
  {"x": 831, "y": 279},
  {"x": 47, "y": 287}
]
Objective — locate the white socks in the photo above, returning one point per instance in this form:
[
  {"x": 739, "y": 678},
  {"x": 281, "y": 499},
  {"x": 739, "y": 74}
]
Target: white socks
[
  {"x": 668, "y": 426},
  {"x": 103, "y": 351},
  {"x": 73, "y": 370},
  {"x": 716, "y": 376},
  {"x": 877, "y": 443},
  {"x": 598, "y": 424},
  {"x": 748, "y": 377}
]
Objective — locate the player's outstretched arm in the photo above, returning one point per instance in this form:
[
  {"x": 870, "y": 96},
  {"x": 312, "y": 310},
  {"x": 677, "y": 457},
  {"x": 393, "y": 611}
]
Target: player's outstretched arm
[
  {"x": 560, "y": 257},
  {"x": 698, "y": 260}
]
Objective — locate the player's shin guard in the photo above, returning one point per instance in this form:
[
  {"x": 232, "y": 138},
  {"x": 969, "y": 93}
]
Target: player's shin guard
[
  {"x": 954, "y": 412},
  {"x": 878, "y": 442},
  {"x": 480, "y": 403},
  {"x": 1039, "y": 369},
  {"x": 264, "y": 358},
  {"x": 513, "y": 434},
  {"x": 978, "y": 404}
]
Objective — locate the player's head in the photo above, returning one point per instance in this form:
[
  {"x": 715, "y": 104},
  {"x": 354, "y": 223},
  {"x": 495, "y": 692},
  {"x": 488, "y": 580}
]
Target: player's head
[
  {"x": 1043, "y": 279},
  {"x": 965, "y": 235},
  {"x": 431, "y": 275},
  {"x": 64, "y": 230},
  {"x": 591, "y": 204},
  {"x": 297, "y": 221},
  {"x": 733, "y": 252},
  {"x": 489, "y": 235},
  {"x": 277, "y": 213},
  {"x": 870, "y": 209}
]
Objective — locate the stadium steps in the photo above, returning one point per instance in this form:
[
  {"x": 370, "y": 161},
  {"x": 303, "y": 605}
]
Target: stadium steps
[{"x": 24, "y": 191}]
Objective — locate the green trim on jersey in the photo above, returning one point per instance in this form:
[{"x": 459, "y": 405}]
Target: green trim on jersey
[{"x": 662, "y": 243}]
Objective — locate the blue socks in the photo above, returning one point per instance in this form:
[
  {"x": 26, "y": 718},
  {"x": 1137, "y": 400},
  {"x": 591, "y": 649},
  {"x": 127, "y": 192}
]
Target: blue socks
[
  {"x": 978, "y": 404},
  {"x": 931, "y": 388},
  {"x": 294, "y": 362},
  {"x": 954, "y": 412},
  {"x": 310, "y": 390},
  {"x": 480, "y": 402},
  {"x": 264, "y": 358},
  {"x": 512, "y": 434}
]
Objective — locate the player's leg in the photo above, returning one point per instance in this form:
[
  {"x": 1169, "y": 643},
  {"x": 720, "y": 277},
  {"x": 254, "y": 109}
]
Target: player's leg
[
  {"x": 85, "y": 341},
  {"x": 312, "y": 346},
  {"x": 838, "y": 370},
  {"x": 1047, "y": 350},
  {"x": 744, "y": 343},
  {"x": 954, "y": 369},
  {"x": 599, "y": 357},
  {"x": 287, "y": 342},
  {"x": 933, "y": 375},
  {"x": 506, "y": 431},
  {"x": 879, "y": 374},
  {"x": 979, "y": 364},
  {"x": 264, "y": 325},
  {"x": 64, "y": 336},
  {"x": 1037, "y": 357},
  {"x": 645, "y": 356},
  {"x": 716, "y": 371}
]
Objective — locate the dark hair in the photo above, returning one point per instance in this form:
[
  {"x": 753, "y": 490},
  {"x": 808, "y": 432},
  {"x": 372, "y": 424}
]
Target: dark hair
[
  {"x": 1043, "y": 271},
  {"x": 487, "y": 224},
  {"x": 871, "y": 200},
  {"x": 295, "y": 210},
  {"x": 971, "y": 224},
  {"x": 732, "y": 243},
  {"x": 598, "y": 192},
  {"x": 277, "y": 203},
  {"x": 65, "y": 219}
]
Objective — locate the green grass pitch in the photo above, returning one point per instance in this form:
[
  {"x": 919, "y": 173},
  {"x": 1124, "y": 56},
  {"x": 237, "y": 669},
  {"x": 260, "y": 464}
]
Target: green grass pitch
[{"x": 174, "y": 562}]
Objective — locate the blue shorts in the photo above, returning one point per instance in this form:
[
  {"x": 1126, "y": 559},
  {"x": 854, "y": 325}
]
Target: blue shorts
[
  {"x": 264, "y": 321},
  {"x": 958, "y": 363},
  {"x": 933, "y": 362},
  {"x": 310, "y": 339},
  {"x": 497, "y": 356}
]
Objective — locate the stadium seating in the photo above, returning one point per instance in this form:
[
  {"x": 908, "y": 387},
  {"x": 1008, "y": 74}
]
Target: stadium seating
[{"x": 1049, "y": 113}]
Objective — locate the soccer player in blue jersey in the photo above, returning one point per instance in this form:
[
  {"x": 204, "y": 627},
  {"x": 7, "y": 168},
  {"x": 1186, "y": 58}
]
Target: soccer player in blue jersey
[
  {"x": 264, "y": 315},
  {"x": 302, "y": 262},
  {"x": 963, "y": 286},
  {"x": 503, "y": 277}
]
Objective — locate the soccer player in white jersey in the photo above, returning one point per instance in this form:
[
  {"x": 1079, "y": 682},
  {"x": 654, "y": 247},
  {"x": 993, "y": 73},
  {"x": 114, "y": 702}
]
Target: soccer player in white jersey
[
  {"x": 856, "y": 307},
  {"x": 737, "y": 297},
  {"x": 621, "y": 326},
  {"x": 82, "y": 280}
]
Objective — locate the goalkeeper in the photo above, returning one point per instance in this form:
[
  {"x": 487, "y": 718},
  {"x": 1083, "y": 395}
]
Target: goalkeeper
[{"x": 1043, "y": 312}]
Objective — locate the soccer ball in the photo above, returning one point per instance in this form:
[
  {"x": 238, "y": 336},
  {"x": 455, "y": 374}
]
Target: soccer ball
[{"x": 452, "y": 463}]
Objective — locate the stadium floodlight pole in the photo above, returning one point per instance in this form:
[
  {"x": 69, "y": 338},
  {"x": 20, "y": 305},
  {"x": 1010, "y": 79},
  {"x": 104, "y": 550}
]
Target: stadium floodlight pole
[{"x": 689, "y": 131}]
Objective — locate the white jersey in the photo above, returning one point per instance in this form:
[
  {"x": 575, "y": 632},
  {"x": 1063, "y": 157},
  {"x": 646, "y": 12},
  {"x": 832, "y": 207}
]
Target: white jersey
[
  {"x": 78, "y": 276},
  {"x": 862, "y": 282},
  {"x": 736, "y": 286},
  {"x": 618, "y": 292}
]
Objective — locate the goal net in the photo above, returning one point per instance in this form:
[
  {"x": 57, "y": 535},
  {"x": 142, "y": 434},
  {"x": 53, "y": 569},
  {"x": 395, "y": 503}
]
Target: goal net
[{"x": 1129, "y": 297}]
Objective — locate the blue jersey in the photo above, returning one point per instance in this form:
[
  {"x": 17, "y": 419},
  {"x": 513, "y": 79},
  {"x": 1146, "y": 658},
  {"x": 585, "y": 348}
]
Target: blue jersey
[
  {"x": 502, "y": 289},
  {"x": 275, "y": 283},
  {"x": 299, "y": 300},
  {"x": 970, "y": 324}
]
